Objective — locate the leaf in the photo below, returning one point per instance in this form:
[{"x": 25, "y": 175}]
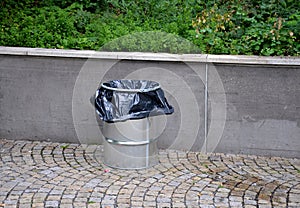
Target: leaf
[
  {"x": 64, "y": 146},
  {"x": 283, "y": 3}
]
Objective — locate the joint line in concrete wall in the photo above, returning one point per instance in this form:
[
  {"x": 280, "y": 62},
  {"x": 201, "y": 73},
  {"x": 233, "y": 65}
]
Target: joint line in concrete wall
[{"x": 205, "y": 108}]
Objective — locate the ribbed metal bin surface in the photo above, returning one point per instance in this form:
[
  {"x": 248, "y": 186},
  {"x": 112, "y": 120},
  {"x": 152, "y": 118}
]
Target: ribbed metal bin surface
[{"x": 132, "y": 144}]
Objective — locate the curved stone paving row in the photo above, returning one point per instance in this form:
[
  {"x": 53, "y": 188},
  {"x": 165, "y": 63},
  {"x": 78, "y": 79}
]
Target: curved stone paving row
[{"x": 41, "y": 174}]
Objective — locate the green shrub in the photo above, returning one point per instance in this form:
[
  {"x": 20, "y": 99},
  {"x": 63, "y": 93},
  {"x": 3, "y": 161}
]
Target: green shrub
[
  {"x": 52, "y": 27},
  {"x": 259, "y": 27},
  {"x": 249, "y": 27},
  {"x": 154, "y": 41}
]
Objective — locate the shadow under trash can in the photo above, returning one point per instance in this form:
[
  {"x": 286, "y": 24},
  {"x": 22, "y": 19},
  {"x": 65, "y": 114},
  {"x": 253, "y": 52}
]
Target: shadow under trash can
[{"x": 131, "y": 111}]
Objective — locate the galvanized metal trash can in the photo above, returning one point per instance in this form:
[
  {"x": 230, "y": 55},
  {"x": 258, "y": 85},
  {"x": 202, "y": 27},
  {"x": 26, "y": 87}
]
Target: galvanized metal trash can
[
  {"x": 132, "y": 113},
  {"x": 131, "y": 144}
]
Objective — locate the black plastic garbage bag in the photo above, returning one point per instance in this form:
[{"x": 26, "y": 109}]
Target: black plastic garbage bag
[{"x": 121, "y": 100}]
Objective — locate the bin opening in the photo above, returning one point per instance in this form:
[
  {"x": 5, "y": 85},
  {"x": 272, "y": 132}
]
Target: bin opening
[
  {"x": 131, "y": 85},
  {"x": 121, "y": 100}
]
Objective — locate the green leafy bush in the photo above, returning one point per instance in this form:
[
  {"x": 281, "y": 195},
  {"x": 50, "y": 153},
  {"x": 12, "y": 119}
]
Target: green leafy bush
[
  {"x": 154, "y": 41},
  {"x": 259, "y": 27},
  {"x": 250, "y": 27}
]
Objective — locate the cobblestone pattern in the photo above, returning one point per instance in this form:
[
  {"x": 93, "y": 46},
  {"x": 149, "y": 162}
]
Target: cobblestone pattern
[{"x": 40, "y": 174}]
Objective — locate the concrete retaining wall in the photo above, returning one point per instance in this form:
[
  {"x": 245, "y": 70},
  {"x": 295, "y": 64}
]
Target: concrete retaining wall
[{"x": 251, "y": 104}]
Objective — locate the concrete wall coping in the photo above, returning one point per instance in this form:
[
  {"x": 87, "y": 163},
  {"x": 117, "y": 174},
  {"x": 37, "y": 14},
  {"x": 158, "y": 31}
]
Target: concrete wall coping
[{"x": 206, "y": 58}]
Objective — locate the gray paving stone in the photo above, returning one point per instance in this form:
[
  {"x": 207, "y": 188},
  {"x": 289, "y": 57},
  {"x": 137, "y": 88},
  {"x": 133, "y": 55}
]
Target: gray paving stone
[
  {"x": 43, "y": 174},
  {"x": 10, "y": 202},
  {"x": 52, "y": 204},
  {"x": 25, "y": 205},
  {"x": 66, "y": 206}
]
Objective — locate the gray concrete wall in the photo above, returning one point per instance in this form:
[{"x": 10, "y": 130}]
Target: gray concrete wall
[
  {"x": 47, "y": 98},
  {"x": 36, "y": 97},
  {"x": 263, "y": 110}
]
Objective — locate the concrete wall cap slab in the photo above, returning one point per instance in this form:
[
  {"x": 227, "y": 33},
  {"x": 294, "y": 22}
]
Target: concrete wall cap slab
[{"x": 205, "y": 58}]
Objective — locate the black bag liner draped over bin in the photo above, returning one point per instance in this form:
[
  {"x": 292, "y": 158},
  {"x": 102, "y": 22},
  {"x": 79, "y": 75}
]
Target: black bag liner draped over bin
[{"x": 121, "y": 100}]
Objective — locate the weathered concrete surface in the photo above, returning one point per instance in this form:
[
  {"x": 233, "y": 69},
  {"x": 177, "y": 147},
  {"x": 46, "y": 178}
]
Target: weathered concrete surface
[
  {"x": 36, "y": 97},
  {"x": 47, "y": 98},
  {"x": 142, "y": 56},
  {"x": 263, "y": 110}
]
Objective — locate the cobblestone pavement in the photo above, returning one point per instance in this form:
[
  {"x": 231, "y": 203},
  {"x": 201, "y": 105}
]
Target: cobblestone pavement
[{"x": 41, "y": 174}]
